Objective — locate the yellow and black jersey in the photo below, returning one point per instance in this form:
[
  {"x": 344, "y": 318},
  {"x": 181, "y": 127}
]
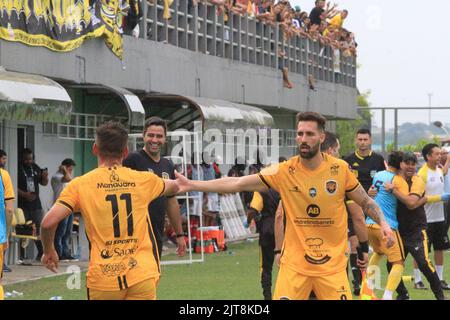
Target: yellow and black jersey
[
  {"x": 411, "y": 222},
  {"x": 266, "y": 202},
  {"x": 113, "y": 203},
  {"x": 316, "y": 218}
]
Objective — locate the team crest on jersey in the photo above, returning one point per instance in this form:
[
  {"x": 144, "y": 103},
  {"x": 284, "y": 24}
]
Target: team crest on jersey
[
  {"x": 334, "y": 170},
  {"x": 165, "y": 176},
  {"x": 291, "y": 170},
  {"x": 331, "y": 187},
  {"x": 313, "y": 192},
  {"x": 114, "y": 177}
]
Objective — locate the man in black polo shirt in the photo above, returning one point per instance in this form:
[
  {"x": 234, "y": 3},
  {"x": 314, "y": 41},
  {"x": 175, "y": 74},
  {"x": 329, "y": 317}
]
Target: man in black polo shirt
[
  {"x": 30, "y": 176},
  {"x": 413, "y": 223},
  {"x": 365, "y": 164},
  {"x": 149, "y": 159}
]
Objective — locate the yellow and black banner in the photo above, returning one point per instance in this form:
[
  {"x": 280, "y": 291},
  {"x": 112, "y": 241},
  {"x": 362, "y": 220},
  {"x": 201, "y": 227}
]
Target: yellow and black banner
[{"x": 63, "y": 25}]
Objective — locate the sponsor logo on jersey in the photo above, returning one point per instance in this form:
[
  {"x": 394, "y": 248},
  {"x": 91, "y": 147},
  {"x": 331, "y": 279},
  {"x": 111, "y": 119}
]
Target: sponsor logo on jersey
[
  {"x": 334, "y": 170},
  {"x": 313, "y": 211},
  {"x": 165, "y": 176},
  {"x": 116, "y": 185},
  {"x": 114, "y": 177},
  {"x": 132, "y": 263},
  {"x": 315, "y": 261},
  {"x": 313, "y": 192},
  {"x": 331, "y": 186},
  {"x": 117, "y": 252},
  {"x": 295, "y": 189},
  {"x": 113, "y": 269}
]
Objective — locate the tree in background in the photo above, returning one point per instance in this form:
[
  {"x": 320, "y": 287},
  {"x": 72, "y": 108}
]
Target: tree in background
[{"x": 346, "y": 129}]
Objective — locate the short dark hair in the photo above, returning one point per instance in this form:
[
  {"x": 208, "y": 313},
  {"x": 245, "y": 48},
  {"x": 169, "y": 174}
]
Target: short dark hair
[
  {"x": 428, "y": 149},
  {"x": 364, "y": 131},
  {"x": 409, "y": 157},
  {"x": 112, "y": 139},
  {"x": 331, "y": 141},
  {"x": 155, "y": 121},
  {"x": 394, "y": 159},
  {"x": 314, "y": 117},
  {"x": 2, "y": 153},
  {"x": 68, "y": 162}
]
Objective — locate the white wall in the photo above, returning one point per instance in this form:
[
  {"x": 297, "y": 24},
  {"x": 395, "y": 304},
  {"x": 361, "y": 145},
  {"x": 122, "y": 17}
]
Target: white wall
[{"x": 49, "y": 153}]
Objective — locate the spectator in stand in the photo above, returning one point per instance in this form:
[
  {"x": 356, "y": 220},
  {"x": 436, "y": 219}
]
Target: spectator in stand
[
  {"x": 317, "y": 12},
  {"x": 337, "y": 21},
  {"x": 64, "y": 230}
]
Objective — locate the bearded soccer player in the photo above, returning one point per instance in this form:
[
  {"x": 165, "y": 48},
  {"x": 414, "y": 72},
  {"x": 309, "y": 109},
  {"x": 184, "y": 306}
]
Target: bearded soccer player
[
  {"x": 113, "y": 201},
  {"x": 313, "y": 187}
]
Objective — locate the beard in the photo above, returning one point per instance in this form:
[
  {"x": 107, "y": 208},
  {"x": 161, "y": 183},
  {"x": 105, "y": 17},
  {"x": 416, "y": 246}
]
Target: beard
[{"x": 311, "y": 153}]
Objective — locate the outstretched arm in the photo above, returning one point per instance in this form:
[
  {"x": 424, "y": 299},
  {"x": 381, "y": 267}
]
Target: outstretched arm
[{"x": 224, "y": 185}]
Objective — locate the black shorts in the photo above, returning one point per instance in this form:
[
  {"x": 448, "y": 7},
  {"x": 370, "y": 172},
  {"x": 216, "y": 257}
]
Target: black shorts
[
  {"x": 351, "y": 229},
  {"x": 437, "y": 236}
]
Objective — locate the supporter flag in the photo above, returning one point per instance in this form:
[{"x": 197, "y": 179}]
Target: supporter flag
[{"x": 63, "y": 25}]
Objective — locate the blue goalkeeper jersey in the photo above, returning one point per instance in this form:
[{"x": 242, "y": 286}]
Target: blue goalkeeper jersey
[{"x": 385, "y": 200}]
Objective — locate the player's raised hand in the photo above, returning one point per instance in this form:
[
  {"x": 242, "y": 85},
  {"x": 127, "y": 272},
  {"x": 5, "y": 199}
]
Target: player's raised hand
[{"x": 51, "y": 260}]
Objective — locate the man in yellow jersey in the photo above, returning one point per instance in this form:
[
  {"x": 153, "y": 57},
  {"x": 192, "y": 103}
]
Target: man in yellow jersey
[
  {"x": 113, "y": 201},
  {"x": 313, "y": 187},
  {"x": 6, "y": 213}
]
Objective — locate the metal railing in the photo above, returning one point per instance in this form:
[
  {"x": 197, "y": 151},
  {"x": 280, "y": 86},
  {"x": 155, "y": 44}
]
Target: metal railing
[{"x": 243, "y": 39}]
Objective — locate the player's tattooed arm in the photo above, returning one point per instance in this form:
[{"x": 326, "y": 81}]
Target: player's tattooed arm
[{"x": 360, "y": 196}]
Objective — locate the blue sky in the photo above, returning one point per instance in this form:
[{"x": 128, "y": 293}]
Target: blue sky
[{"x": 404, "y": 53}]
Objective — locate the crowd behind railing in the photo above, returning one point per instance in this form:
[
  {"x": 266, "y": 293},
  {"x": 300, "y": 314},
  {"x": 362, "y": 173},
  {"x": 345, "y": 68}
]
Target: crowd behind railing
[{"x": 323, "y": 25}]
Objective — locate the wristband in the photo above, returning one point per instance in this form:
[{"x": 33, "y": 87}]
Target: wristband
[
  {"x": 433, "y": 199},
  {"x": 277, "y": 251},
  {"x": 364, "y": 246},
  {"x": 180, "y": 235}
]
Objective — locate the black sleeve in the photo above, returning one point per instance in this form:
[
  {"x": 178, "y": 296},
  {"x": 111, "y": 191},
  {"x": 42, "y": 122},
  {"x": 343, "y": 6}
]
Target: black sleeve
[
  {"x": 129, "y": 162},
  {"x": 382, "y": 164},
  {"x": 171, "y": 170}
]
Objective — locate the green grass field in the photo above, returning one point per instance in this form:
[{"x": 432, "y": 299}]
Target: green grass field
[{"x": 230, "y": 275}]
